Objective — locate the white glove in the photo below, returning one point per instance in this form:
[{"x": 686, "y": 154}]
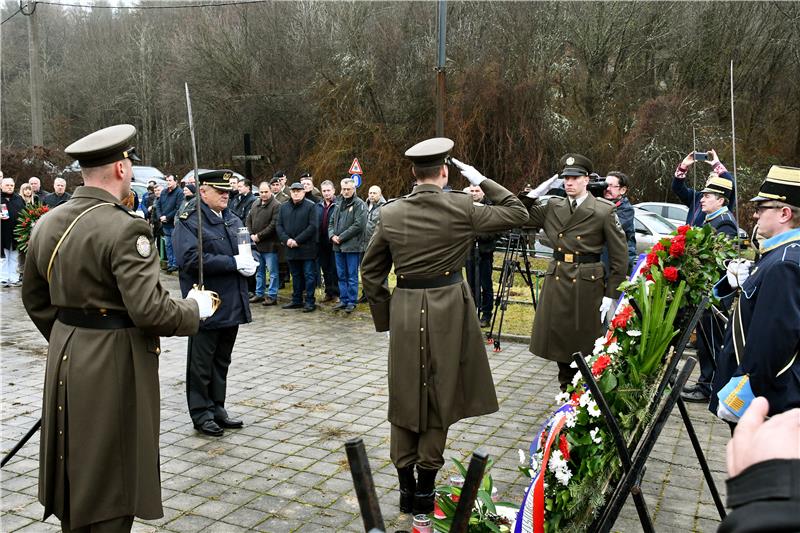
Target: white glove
[
  {"x": 469, "y": 172},
  {"x": 737, "y": 272},
  {"x": 246, "y": 265},
  {"x": 205, "y": 301},
  {"x": 543, "y": 187},
  {"x": 605, "y": 307},
  {"x": 724, "y": 414}
]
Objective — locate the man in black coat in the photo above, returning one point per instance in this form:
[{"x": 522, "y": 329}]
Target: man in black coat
[
  {"x": 617, "y": 193},
  {"x": 59, "y": 194},
  {"x": 298, "y": 230},
  {"x": 244, "y": 200},
  {"x": 12, "y": 205},
  {"x": 225, "y": 272}
]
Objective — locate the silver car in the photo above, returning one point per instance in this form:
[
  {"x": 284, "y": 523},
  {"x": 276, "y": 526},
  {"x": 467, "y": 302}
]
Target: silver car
[
  {"x": 675, "y": 213},
  {"x": 650, "y": 228}
]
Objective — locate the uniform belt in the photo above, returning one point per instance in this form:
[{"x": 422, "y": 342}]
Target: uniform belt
[
  {"x": 450, "y": 278},
  {"x": 95, "y": 318},
  {"x": 576, "y": 258}
]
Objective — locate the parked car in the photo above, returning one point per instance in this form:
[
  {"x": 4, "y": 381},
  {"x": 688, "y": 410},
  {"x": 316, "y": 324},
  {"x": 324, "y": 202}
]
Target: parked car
[
  {"x": 675, "y": 213},
  {"x": 144, "y": 174},
  {"x": 650, "y": 228}
]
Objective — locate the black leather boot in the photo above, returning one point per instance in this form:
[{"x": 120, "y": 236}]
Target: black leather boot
[
  {"x": 424, "y": 495},
  {"x": 408, "y": 485}
]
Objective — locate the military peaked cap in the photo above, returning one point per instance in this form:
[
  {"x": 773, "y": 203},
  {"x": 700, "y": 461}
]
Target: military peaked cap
[
  {"x": 782, "y": 184},
  {"x": 719, "y": 185},
  {"x": 219, "y": 179},
  {"x": 305, "y": 175},
  {"x": 114, "y": 143},
  {"x": 431, "y": 152},
  {"x": 576, "y": 165},
  {"x": 274, "y": 179},
  {"x": 279, "y": 174}
]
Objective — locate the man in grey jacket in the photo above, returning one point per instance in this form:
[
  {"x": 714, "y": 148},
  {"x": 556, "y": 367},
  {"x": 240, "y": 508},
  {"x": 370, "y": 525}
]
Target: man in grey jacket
[{"x": 346, "y": 230}]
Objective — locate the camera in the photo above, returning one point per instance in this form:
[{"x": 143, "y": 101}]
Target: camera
[
  {"x": 597, "y": 185},
  {"x": 701, "y": 156}
]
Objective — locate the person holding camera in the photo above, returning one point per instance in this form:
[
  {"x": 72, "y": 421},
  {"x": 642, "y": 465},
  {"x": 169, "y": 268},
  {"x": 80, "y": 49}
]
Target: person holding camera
[
  {"x": 690, "y": 197},
  {"x": 616, "y": 192},
  {"x": 576, "y": 286}
]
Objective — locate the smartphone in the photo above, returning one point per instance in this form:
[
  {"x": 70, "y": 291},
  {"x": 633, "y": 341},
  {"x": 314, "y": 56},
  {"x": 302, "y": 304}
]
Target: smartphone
[{"x": 701, "y": 156}]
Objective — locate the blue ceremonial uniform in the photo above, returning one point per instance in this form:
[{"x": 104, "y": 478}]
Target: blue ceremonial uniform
[
  {"x": 691, "y": 198},
  {"x": 722, "y": 220},
  {"x": 209, "y": 352},
  {"x": 764, "y": 337}
]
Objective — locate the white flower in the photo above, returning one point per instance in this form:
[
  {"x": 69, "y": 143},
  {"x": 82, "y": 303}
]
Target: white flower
[
  {"x": 599, "y": 346},
  {"x": 573, "y": 365},
  {"x": 613, "y": 348},
  {"x": 562, "y": 398},
  {"x": 557, "y": 462},
  {"x": 576, "y": 378},
  {"x": 586, "y": 397},
  {"x": 634, "y": 333},
  {"x": 593, "y": 410},
  {"x": 571, "y": 419},
  {"x": 594, "y": 435},
  {"x": 521, "y": 456},
  {"x": 563, "y": 475}
]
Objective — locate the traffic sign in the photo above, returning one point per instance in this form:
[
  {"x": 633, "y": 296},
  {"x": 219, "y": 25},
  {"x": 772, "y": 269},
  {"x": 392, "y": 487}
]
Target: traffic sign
[
  {"x": 357, "y": 179},
  {"x": 355, "y": 168}
]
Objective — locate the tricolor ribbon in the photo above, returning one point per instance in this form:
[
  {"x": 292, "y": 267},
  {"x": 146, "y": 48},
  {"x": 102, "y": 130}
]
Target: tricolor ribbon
[{"x": 530, "y": 517}]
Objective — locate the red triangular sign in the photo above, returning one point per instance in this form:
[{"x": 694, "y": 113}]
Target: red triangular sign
[{"x": 355, "y": 168}]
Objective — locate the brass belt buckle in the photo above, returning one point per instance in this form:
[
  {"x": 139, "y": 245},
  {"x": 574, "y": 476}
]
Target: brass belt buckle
[{"x": 568, "y": 258}]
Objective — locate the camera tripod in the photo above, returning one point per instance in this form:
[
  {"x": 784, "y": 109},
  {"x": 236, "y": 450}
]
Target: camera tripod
[{"x": 518, "y": 251}]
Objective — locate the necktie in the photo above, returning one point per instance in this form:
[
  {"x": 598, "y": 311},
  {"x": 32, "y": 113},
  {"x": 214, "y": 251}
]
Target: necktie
[{"x": 573, "y": 205}]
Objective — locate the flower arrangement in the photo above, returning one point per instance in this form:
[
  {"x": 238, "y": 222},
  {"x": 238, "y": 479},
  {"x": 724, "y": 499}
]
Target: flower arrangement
[
  {"x": 573, "y": 461},
  {"x": 25, "y": 223},
  {"x": 694, "y": 255}
]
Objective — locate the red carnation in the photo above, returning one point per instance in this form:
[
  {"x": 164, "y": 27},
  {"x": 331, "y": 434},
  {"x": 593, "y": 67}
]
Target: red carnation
[
  {"x": 600, "y": 364},
  {"x": 658, "y": 247},
  {"x": 622, "y": 317},
  {"x": 652, "y": 259},
  {"x": 671, "y": 274},
  {"x": 683, "y": 229},
  {"x": 677, "y": 246},
  {"x": 563, "y": 446},
  {"x": 649, "y": 277},
  {"x": 575, "y": 398}
]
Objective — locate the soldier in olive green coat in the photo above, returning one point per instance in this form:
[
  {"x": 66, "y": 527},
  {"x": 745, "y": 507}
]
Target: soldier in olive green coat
[
  {"x": 438, "y": 369},
  {"x": 91, "y": 286},
  {"x": 575, "y": 297}
]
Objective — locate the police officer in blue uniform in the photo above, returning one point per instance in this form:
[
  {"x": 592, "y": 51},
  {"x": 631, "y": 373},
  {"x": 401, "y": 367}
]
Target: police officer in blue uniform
[
  {"x": 225, "y": 272},
  {"x": 760, "y": 353}
]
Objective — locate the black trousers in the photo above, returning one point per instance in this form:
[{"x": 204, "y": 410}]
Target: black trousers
[
  {"x": 486, "y": 302},
  {"x": 207, "y": 372},
  {"x": 710, "y": 336},
  {"x": 327, "y": 263}
]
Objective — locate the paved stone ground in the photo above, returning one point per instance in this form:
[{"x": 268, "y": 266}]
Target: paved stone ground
[{"x": 305, "y": 383}]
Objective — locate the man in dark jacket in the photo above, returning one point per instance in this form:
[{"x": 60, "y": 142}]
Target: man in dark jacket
[
  {"x": 38, "y": 192},
  {"x": 12, "y": 205},
  {"x": 346, "y": 231},
  {"x": 483, "y": 248},
  {"x": 244, "y": 201},
  {"x": 312, "y": 193},
  {"x": 262, "y": 223},
  {"x": 617, "y": 193},
  {"x": 690, "y": 197},
  {"x": 326, "y": 257},
  {"x": 168, "y": 203},
  {"x": 59, "y": 194},
  {"x": 297, "y": 230},
  {"x": 225, "y": 272}
]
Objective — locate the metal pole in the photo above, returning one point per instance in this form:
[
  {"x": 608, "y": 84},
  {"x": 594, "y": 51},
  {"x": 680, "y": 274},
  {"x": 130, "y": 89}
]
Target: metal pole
[
  {"x": 35, "y": 75},
  {"x": 472, "y": 483},
  {"x": 365, "y": 487},
  {"x": 197, "y": 181},
  {"x": 440, "y": 66},
  {"x": 735, "y": 179},
  {"x": 248, "y": 164}
]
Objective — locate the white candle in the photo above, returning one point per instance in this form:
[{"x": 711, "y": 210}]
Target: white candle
[{"x": 244, "y": 249}]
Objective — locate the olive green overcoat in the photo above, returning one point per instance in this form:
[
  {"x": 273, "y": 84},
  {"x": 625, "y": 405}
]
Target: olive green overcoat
[
  {"x": 436, "y": 350},
  {"x": 100, "y": 414},
  {"x": 567, "y": 316}
]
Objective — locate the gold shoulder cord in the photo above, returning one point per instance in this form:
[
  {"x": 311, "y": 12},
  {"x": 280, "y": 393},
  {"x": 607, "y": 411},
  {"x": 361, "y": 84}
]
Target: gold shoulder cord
[{"x": 64, "y": 236}]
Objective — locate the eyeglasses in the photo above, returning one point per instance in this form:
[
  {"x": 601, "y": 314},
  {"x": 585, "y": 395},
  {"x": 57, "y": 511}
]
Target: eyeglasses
[{"x": 761, "y": 208}]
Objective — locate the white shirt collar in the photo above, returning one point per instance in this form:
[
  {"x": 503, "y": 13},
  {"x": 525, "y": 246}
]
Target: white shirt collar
[{"x": 580, "y": 199}]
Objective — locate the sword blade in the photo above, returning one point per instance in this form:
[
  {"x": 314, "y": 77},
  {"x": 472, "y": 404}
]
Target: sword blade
[{"x": 197, "y": 199}]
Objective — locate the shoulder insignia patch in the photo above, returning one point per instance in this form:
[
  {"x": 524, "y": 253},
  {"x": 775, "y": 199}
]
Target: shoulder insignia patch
[
  {"x": 143, "y": 246},
  {"x": 616, "y": 221},
  {"x": 184, "y": 216}
]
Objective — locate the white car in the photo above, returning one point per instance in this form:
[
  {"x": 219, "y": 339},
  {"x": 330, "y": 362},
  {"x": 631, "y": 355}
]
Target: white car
[{"x": 675, "y": 213}]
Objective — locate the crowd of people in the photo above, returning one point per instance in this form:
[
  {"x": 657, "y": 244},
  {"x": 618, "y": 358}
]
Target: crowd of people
[{"x": 251, "y": 242}]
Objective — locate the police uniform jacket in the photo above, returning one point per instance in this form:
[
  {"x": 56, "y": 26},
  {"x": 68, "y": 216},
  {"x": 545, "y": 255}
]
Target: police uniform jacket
[
  {"x": 298, "y": 221},
  {"x": 348, "y": 221},
  {"x": 437, "y": 355},
  {"x": 263, "y": 221},
  {"x": 763, "y": 339},
  {"x": 101, "y": 390},
  {"x": 219, "y": 266},
  {"x": 567, "y": 318}
]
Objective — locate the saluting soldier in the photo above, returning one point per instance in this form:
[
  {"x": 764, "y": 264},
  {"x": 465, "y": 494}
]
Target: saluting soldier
[
  {"x": 761, "y": 352},
  {"x": 438, "y": 369},
  {"x": 91, "y": 286},
  {"x": 574, "y": 289},
  {"x": 225, "y": 272}
]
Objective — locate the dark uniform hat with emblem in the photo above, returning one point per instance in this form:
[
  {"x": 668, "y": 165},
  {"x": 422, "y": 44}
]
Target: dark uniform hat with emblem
[
  {"x": 431, "y": 152},
  {"x": 719, "y": 185},
  {"x": 114, "y": 143},
  {"x": 219, "y": 179},
  {"x": 305, "y": 175},
  {"x": 274, "y": 179},
  {"x": 782, "y": 184},
  {"x": 279, "y": 174},
  {"x": 576, "y": 165}
]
